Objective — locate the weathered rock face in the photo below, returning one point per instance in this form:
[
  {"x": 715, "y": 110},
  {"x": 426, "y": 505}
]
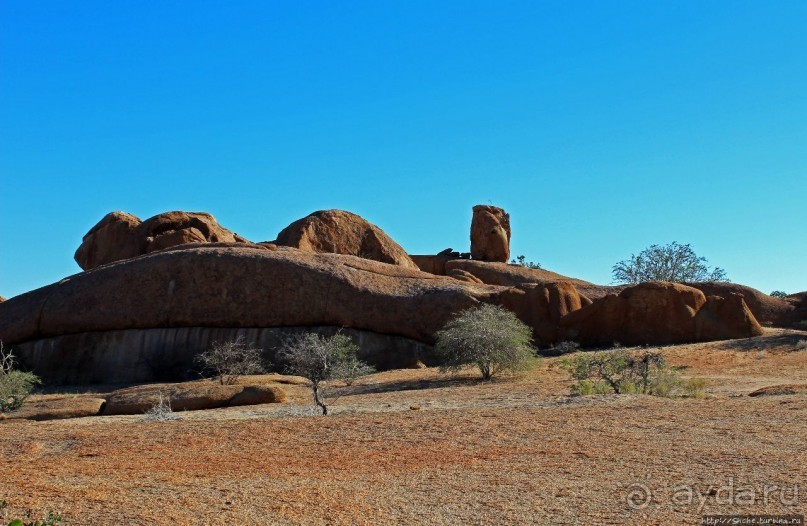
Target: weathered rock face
[
  {"x": 659, "y": 313},
  {"x": 340, "y": 232},
  {"x": 505, "y": 274},
  {"x": 241, "y": 286},
  {"x": 542, "y": 306},
  {"x": 166, "y": 354},
  {"x": 490, "y": 234},
  {"x": 463, "y": 275},
  {"x": 121, "y": 236},
  {"x": 725, "y": 318},
  {"x": 767, "y": 309},
  {"x": 798, "y": 317},
  {"x": 145, "y": 318},
  {"x": 2, "y": 299}
]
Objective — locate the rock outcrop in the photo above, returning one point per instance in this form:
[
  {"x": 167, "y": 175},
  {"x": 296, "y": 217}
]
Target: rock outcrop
[
  {"x": 490, "y": 234},
  {"x": 767, "y": 309},
  {"x": 191, "y": 396},
  {"x": 146, "y": 317},
  {"x": 121, "y": 236},
  {"x": 659, "y": 313},
  {"x": 341, "y": 232},
  {"x": 2, "y": 299},
  {"x": 505, "y": 274},
  {"x": 543, "y": 306},
  {"x": 51, "y": 407}
]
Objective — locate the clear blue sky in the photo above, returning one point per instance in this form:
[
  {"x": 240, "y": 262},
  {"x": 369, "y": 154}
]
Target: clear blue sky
[{"x": 602, "y": 127}]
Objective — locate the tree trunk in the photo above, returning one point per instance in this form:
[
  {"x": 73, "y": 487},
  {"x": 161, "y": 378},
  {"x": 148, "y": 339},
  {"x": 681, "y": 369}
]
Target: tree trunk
[{"x": 318, "y": 401}]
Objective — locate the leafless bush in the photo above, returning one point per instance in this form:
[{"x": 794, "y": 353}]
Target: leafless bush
[
  {"x": 230, "y": 360},
  {"x": 319, "y": 359},
  {"x": 801, "y": 345},
  {"x": 161, "y": 411}
]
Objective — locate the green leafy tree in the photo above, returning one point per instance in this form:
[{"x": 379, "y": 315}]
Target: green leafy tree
[
  {"x": 15, "y": 386},
  {"x": 489, "y": 337},
  {"x": 779, "y": 294},
  {"x": 673, "y": 262}
]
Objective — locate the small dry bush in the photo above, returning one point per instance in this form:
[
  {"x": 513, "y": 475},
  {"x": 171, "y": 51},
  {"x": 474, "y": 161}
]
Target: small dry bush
[
  {"x": 695, "y": 387},
  {"x": 801, "y": 345},
  {"x": 621, "y": 372},
  {"x": 230, "y": 360},
  {"x": 161, "y": 411}
]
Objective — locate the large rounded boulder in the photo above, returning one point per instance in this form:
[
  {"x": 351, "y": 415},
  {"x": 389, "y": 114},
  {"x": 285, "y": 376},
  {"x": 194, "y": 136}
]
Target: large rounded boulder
[
  {"x": 657, "y": 313},
  {"x": 341, "y": 232},
  {"x": 120, "y": 236}
]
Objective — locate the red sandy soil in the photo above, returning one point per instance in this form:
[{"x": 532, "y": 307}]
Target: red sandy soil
[{"x": 413, "y": 447}]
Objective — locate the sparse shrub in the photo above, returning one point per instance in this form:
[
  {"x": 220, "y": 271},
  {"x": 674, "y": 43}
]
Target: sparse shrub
[
  {"x": 801, "y": 345},
  {"x": 161, "y": 411},
  {"x": 695, "y": 387},
  {"x": 350, "y": 369},
  {"x": 489, "y": 337},
  {"x": 622, "y": 373},
  {"x": 664, "y": 383},
  {"x": 320, "y": 359},
  {"x": 230, "y": 360},
  {"x": 779, "y": 294},
  {"x": 672, "y": 262},
  {"x": 522, "y": 260},
  {"x": 51, "y": 519},
  {"x": 15, "y": 386},
  {"x": 588, "y": 388},
  {"x": 802, "y": 325}
]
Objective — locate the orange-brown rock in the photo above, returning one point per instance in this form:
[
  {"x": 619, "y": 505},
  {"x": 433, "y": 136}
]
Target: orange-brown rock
[
  {"x": 121, "y": 236},
  {"x": 341, "y": 232},
  {"x": 767, "y": 309},
  {"x": 463, "y": 275},
  {"x": 725, "y": 318},
  {"x": 147, "y": 315},
  {"x": 2, "y": 299},
  {"x": 490, "y": 234},
  {"x": 241, "y": 285},
  {"x": 658, "y": 313},
  {"x": 542, "y": 306},
  {"x": 54, "y": 407},
  {"x": 190, "y": 396}
]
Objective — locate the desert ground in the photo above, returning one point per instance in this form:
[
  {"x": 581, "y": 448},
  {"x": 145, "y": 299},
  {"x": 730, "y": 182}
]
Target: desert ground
[{"x": 417, "y": 447}]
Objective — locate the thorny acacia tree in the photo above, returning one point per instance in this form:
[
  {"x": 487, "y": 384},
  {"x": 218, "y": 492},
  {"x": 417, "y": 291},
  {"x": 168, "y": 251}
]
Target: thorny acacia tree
[
  {"x": 321, "y": 358},
  {"x": 673, "y": 262}
]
